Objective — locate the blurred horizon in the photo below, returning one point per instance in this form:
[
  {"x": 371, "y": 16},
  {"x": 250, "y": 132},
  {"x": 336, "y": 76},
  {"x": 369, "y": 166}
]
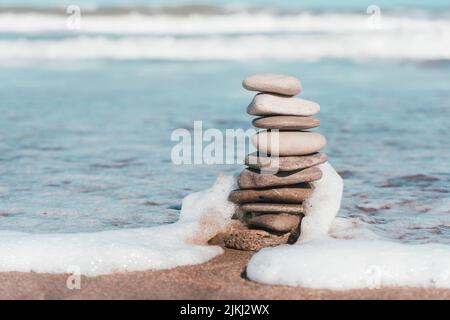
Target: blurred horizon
[
  {"x": 120, "y": 31},
  {"x": 346, "y": 4}
]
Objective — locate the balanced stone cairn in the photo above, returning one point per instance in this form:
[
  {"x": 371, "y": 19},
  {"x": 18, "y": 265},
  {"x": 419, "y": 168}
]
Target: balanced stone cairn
[{"x": 271, "y": 204}]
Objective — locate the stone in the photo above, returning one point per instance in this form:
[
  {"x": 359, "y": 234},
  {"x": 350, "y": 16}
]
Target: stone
[
  {"x": 239, "y": 236},
  {"x": 288, "y": 143},
  {"x": 272, "y": 208},
  {"x": 274, "y": 83},
  {"x": 286, "y": 122},
  {"x": 295, "y": 233},
  {"x": 264, "y": 104},
  {"x": 219, "y": 239},
  {"x": 258, "y": 161},
  {"x": 295, "y": 194},
  {"x": 253, "y": 240},
  {"x": 253, "y": 179},
  {"x": 274, "y": 222}
]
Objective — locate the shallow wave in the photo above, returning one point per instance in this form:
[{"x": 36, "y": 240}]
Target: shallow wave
[
  {"x": 402, "y": 46},
  {"x": 239, "y": 22},
  {"x": 239, "y": 35},
  {"x": 203, "y": 215},
  {"x": 92, "y": 8}
]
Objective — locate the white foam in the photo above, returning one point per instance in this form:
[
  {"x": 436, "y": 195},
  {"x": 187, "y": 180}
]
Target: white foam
[
  {"x": 203, "y": 215},
  {"x": 351, "y": 264},
  {"x": 323, "y": 205},
  {"x": 358, "y": 259},
  {"x": 411, "y": 46},
  {"x": 242, "y": 22},
  {"x": 303, "y": 36}
]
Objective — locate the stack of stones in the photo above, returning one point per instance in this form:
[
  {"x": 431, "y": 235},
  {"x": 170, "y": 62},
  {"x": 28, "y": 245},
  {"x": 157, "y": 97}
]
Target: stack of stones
[{"x": 271, "y": 204}]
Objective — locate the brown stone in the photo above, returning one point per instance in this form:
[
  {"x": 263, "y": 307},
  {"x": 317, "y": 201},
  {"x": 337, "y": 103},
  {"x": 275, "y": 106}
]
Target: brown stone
[
  {"x": 219, "y": 239},
  {"x": 295, "y": 194},
  {"x": 275, "y": 222},
  {"x": 251, "y": 178},
  {"x": 238, "y": 236},
  {"x": 295, "y": 233},
  {"x": 272, "y": 208},
  {"x": 253, "y": 240},
  {"x": 286, "y": 122},
  {"x": 285, "y": 163}
]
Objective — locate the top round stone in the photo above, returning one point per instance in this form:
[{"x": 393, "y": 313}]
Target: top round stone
[{"x": 273, "y": 83}]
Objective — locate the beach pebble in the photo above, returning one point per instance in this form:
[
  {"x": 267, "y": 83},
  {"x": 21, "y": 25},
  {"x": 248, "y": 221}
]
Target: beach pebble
[
  {"x": 272, "y": 208},
  {"x": 252, "y": 240},
  {"x": 250, "y": 178},
  {"x": 264, "y": 104},
  {"x": 295, "y": 233},
  {"x": 286, "y": 122},
  {"x": 276, "y": 195},
  {"x": 234, "y": 226},
  {"x": 275, "y": 222},
  {"x": 274, "y": 83},
  {"x": 288, "y": 143},
  {"x": 285, "y": 163}
]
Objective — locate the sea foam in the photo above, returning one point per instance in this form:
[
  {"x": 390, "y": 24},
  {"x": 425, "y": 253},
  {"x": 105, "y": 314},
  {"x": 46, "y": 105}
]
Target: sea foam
[
  {"x": 203, "y": 215},
  {"x": 351, "y": 258},
  {"x": 352, "y": 264},
  {"x": 238, "y": 36},
  {"x": 322, "y": 207}
]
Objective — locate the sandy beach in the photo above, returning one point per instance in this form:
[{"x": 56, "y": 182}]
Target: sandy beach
[{"x": 220, "y": 278}]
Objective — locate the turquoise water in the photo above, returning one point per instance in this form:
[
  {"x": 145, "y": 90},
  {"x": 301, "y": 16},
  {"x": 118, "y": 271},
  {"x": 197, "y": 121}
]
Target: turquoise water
[
  {"x": 86, "y": 116},
  {"x": 88, "y": 147}
]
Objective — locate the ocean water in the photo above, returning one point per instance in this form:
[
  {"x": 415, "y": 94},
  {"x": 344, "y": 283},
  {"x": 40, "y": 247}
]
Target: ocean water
[
  {"x": 87, "y": 114},
  {"x": 321, "y": 4},
  {"x": 86, "y": 146}
]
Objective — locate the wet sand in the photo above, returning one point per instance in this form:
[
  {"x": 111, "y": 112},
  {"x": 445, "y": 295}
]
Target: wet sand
[{"x": 220, "y": 278}]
